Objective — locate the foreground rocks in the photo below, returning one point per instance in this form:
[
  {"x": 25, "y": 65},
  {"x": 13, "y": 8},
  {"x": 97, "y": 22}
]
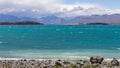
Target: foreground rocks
[
  {"x": 95, "y": 62},
  {"x": 114, "y": 62}
]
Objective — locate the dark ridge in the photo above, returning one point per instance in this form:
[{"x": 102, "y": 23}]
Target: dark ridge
[
  {"x": 21, "y": 23},
  {"x": 97, "y": 23}
]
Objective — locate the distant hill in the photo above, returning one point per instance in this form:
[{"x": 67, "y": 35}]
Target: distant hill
[
  {"x": 21, "y": 23},
  {"x": 97, "y": 23}
]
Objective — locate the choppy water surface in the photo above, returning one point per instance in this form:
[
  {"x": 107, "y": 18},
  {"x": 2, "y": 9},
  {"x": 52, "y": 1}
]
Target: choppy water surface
[{"x": 83, "y": 41}]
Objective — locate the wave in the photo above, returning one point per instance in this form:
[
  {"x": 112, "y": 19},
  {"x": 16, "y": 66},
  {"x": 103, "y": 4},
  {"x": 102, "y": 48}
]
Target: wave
[
  {"x": 39, "y": 54},
  {"x": 2, "y": 58},
  {"x": 56, "y": 54},
  {"x": 118, "y": 48},
  {"x": 1, "y": 42},
  {"x": 48, "y": 58}
]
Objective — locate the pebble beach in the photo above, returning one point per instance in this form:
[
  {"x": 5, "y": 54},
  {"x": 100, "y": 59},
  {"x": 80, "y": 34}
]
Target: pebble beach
[{"x": 93, "y": 62}]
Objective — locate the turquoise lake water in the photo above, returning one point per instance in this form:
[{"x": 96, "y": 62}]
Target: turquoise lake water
[{"x": 82, "y": 41}]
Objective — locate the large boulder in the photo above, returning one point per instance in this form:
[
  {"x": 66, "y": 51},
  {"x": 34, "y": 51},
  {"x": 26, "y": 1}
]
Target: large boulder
[
  {"x": 114, "y": 62},
  {"x": 58, "y": 63},
  {"x": 96, "y": 59}
]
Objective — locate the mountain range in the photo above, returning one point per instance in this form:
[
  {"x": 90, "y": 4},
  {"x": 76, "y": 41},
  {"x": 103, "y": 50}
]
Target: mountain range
[{"x": 53, "y": 19}]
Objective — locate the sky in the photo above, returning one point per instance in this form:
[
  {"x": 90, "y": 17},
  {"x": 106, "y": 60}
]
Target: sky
[
  {"x": 61, "y": 8},
  {"x": 113, "y": 4}
]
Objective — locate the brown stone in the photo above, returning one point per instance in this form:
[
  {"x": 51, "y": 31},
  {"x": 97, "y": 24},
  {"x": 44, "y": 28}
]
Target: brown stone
[
  {"x": 96, "y": 60},
  {"x": 115, "y": 62}
]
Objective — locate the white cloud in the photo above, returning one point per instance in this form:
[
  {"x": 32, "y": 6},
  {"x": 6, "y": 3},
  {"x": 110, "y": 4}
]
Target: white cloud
[
  {"x": 42, "y": 7},
  {"x": 86, "y": 9},
  {"x": 28, "y": 4},
  {"x": 20, "y": 7}
]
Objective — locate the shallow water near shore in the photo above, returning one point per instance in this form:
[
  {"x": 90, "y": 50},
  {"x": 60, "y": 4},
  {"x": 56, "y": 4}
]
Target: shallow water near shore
[{"x": 68, "y": 42}]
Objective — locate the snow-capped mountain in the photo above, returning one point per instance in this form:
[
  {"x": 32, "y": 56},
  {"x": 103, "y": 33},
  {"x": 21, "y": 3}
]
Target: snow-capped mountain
[{"x": 52, "y": 19}]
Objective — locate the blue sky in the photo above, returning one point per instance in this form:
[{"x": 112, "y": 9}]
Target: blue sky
[{"x": 112, "y": 4}]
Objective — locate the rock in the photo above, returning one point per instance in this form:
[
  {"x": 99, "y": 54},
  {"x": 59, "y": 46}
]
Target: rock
[
  {"x": 86, "y": 63},
  {"x": 81, "y": 63},
  {"x": 114, "y": 62},
  {"x": 96, "y": 60},
  {"x": 100, "y": 59},
  {"x": 58, "y": 63},
  {"x": 65, "y": 62},
  {"x": 93, "y": 60}
]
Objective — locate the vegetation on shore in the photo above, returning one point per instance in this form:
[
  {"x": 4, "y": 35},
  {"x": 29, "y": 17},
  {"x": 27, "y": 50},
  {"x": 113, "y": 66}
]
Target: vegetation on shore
[{"x": 21, "y": 23}]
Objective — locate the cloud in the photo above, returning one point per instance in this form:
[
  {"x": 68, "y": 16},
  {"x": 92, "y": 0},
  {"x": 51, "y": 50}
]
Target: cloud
[
  {"x": 58, "y": 7},
  {"x": 28, "y": 4},
  {"x": 86, "y": 9},
  {"x": 29, "y": 7}
]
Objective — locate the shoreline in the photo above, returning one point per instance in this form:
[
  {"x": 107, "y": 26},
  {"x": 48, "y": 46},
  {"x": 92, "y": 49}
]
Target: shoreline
[
  {"x": 93, "y": 62},
  {"x": 40, "y": 59},
  {"x": 48, "y": 58}
]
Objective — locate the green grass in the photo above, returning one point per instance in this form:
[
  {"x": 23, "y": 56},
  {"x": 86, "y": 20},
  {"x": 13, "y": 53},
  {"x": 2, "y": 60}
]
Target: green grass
[
  {"x": 73, "y": 66},
  {"x": 89, "y": 66}
]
